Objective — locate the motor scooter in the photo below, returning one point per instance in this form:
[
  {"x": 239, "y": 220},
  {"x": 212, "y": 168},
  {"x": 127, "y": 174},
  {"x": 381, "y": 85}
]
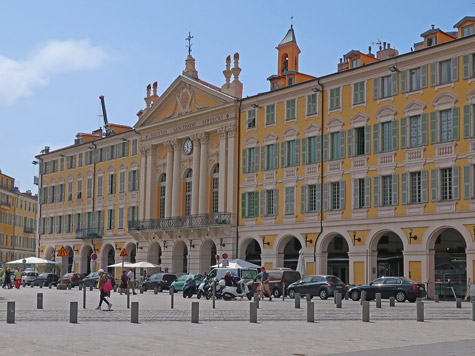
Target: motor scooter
[
  {"x": 240, "y": 290},
  {"x": 203, "y": 288},
  {"x": 219, "y": 285},
  {"x": 189, "y": 288}
]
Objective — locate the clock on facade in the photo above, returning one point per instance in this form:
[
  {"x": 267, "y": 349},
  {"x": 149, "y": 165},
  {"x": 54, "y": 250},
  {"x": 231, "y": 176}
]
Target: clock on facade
[{"x": 188, "y": 146}]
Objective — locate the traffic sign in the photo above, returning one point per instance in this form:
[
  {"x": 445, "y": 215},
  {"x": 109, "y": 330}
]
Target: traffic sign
[
  {"x": 62, "y": 252},
  {"x": 94, "y": 256},
  {"x": 217, "y": 257},
  {"x": 123, "y": 253},
  {"x": 225, "y": 256}
]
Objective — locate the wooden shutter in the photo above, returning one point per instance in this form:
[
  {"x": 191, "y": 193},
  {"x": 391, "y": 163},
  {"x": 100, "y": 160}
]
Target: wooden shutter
[
  {"x": 318, "y": 195},
  {"x": 376, "y": 190},
  {"x": 433, "y": 185},
  {"x": 395, "y": 135},
  {"x": 424, "y": 76},
  {"x": 276, "y": 201},
  {"x": 404, "y": 188},
  {"x": 424, "y": 186},
  {"x": 342, "y": 145},
  {"x": 367, "y": 192},
  {"x": 376, "y": 88},
  {"x": 318, "y": 148},
  {"x": 455, "y": 123},
  {"x": 466, "y": 122},
  {"x": 395, "y": 189},
  {"x": 454, "y": 65},
  {"x": 256, "y": 203},
  {"x": 325, "y": 196},
  {"x": 433, "y": 127},
  {"x": 256, "y": 159},
  {"x": 350, "y": 142},
  {"x": 297, "y": 152},
  {"x": 244, "y": 160},
  {"x": 325, "y": 147},
  {"x": 243, "y": 205},
  {"x": 433, "y": 74},
  {"x": 466, "y": 66},
  {"x": 367, "y": 140},
  {"x": 424, "y": 122},
  {"x": 403, "y": 132},
  {"x": 263, "y": 158},
  {"x": 467, "y": 181},
  {"x": 263, "y": 203},
  {"x": 394, "y": 84},
  {"x": 356, "y": 193},
  {"x": 303, "y": 199},
  {"x": 342, "y": 195},
  {"x": 456, "y": 182},
  {"x": 283, "y": 150},
  {"x": 376, "y": 138},
  {"x": 304, "y": 150},
  {"x": 404, "y": 86},
  {"x": 337, "y": 99},
  {"x": 130, "y": 186},
  {"x": 276, "y": 155}
]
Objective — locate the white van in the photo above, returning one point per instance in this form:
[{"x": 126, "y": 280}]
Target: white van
[{"x": 235, "y": 272}]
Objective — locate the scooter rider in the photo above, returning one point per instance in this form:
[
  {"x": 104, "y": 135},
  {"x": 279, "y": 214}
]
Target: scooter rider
[{"x": 230, "y": 282}]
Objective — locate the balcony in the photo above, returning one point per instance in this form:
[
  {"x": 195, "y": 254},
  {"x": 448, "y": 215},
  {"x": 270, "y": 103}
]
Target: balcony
[
  {"x": 182, "y": 222},
  {"x": 89, "y": 233},
  {"x": 28, "y": 229},
  {"x": 5, "y": 203}
]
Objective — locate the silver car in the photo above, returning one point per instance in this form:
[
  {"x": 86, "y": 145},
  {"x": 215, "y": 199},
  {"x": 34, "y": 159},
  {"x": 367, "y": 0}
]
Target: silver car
[{"x": 27, "y": 277}]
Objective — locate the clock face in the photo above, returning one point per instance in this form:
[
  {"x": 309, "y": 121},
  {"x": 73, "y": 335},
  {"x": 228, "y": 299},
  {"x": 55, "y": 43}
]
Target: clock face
[{"x": 188, "y": 146}]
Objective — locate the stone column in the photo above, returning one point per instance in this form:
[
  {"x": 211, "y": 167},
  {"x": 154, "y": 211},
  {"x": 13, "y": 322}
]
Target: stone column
[
  {"x": 222, "y": 171},
  {"x": 176, "y": 180},
  {"x": 143, "y": 170},
  {"x": 203, "y": 205},
  {"x": 169, "y": 180},
  {"x": 231, "y": 172},
  {"x": 196, "y": 175}
]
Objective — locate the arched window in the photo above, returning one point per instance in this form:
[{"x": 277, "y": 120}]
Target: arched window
[
  {"x": 163, "y": 181},
  {"x": 215, "y": 197},
  {"x": 188, "y": 187}
]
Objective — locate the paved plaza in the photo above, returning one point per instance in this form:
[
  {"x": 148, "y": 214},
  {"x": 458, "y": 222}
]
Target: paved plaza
[{"x": 281, "y": 329}]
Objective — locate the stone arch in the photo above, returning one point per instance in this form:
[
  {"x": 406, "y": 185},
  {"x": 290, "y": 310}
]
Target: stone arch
[
  {"x": 386, "y": 113},
  {"x": 49, "y": 253},
  {"x": 180, "y": 257},
  {"x": 207, "y": 255},
  {"x": 445, "y": 100},
  {"x": 251, "y": 141},
  {"x": 85, "y": 264},
  {"x": 386, "y": 250},
  {"x": 290, "y": 133},
  {"x": 286, "y": 256},
  {"x": 131, "y": 249},
  {"x": 335, "y": 124},
  {"x": 250, "y": 249},
  {"x": 334, "y": 249},
  {"x": 107, "y": 258}
]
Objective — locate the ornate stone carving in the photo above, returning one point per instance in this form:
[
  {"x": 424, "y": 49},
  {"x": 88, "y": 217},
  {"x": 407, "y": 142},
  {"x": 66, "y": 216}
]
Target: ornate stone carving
[{"x": 184, "y": 100}]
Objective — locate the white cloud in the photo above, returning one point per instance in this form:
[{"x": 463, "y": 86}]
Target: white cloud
[{"x": 19, "y": 78}]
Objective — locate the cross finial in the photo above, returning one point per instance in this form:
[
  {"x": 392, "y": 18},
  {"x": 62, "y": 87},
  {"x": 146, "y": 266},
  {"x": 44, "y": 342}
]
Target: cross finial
[
  {"x": 291, "y": 21},
  {"x": 189, "y": 38}
]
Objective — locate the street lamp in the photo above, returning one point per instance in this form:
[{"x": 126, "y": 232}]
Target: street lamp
[
  {"x": 355, "y": 238},
  {"x": 411, "y": 236}
]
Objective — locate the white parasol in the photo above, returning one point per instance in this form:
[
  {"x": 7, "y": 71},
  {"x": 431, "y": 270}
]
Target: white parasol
[{"x": 301, "y": 264}]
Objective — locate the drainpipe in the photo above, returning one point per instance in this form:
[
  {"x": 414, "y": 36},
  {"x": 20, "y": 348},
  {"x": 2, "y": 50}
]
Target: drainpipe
[
  {"x": 322, "y": 91},
  {"x": 239, "y": 174},
  {"x": 38, "y": 206}
]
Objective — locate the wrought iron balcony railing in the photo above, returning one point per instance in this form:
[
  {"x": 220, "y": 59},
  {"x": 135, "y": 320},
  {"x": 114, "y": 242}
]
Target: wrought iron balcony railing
[
  {"x": 184, "y": 222},
  {"x": 89, "y": 233}
]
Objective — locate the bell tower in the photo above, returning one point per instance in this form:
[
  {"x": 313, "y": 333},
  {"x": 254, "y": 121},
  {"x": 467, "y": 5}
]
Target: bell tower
[{"x": 288, "y": 54}]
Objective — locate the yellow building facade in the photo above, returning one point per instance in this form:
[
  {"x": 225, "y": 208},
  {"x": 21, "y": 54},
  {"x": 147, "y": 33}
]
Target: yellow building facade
[{"x": 370, "y": 170}]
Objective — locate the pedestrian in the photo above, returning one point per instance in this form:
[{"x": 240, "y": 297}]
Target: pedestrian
[
  {"x": 265, "y": 284},
  {"x": 131, "y": 280},
  {"x": 102, "y": 284},
  {"x": 123, "y": 282},
  {"x": 17, "y": 278},
  {"x": 7, "y": 280}
]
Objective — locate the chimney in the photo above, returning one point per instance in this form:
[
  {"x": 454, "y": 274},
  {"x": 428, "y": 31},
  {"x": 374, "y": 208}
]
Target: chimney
[
  {"x": 233, "y": 88},
  {"x": 154, "y": 96},
  {"x": 147, "y": 99}
]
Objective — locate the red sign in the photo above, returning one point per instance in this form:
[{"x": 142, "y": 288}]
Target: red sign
[
  {"x": 62, "y": 252},
  {"x": 94, "y": 256},
  {"x": 217, "y": 257},
  {"x": 225, "y": 256},
  {"x": 123, "y": 253}
]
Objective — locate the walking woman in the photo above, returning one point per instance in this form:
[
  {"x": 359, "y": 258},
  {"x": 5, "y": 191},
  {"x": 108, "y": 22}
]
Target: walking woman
[
  {"x": 17, "y": 278},
  {"x": 105, "y": 287}
]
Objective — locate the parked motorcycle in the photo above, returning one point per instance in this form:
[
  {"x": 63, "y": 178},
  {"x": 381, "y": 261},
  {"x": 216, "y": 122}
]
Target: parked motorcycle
[
  {"x": 219, "y": 288},
  {"x": 241, "y": 290},
  {"x": 189, "y": 288}
]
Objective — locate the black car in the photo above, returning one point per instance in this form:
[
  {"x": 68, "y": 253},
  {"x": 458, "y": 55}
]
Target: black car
[
  {"x": 161, "y": 281},
  {"x": 45, "y": 279},
  {"x": 92, "y": 278},
  {"x": 322, "y": 286},
  {"x": 278, "y": 278},
  {"x": 398, "y": 287}
]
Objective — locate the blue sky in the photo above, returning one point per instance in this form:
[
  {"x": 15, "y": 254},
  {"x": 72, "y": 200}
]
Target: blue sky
[{"x": 57, "y": 57}]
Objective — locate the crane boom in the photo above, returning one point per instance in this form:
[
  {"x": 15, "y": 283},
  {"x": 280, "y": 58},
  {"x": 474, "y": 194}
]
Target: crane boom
[{"x": 104, "y": 113}]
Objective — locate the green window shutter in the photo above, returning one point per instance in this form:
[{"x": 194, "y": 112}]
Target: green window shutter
[
  {"x": 325, "y": 147},
  {"x": 395, "y": 138},
  {"x": 403, "y": 132},
  {"x": 350, "y": 142},
  {"x": 283, "y": 151},
  {"x": 466, "y": 122},
  {"x": 456, "y": 182},
  {"x": 424, "y": 76},
  {"x": 433, "y": 185},
  {"x": 342, "y": 145},
  {"x": 456, "y": 123},
  {"x": 318, "y": 195},
  {"x": 466, "y": 66},
  {"x": 244, "y": 160},
  {"x": 404, "y": 75},
  {"x": 243, "y": 205},
  {"x": 263, "y": 203},
  {"x": 467, "y": 181},
  {"x": 376, "y": 190},
  {"x": 424, "y": 121},
  {"x": 433, "y": 74},
  {"x": 297, "y": 152},
  {"x": 263, "y": 158},
  {"x": 304, "y": 150},
  {"x": 342, "y": 194},
  {"x": 433, "y": 127},
  {"x": 256, "y": 205},
  {"x": 276, "y": 155},
  {"x": 318, "y": 148},
  {"x": 454, "y": 64},
  {"x": 376, "y": 88},
  {"x": 256, "y": 159},
  {"x": 424, "y": 186},
  {"x": 404, "y": 188},
  {"x": 395, "y": 189},
  {"x": 394, "y": 84},
  {"x": 276, "y": 201},
  {"x": 325, "y": 196},
  {"x": 367, "y": 140},
  {"x": 337, "y": 99},
  {"x": 376, "y": 138},
  {"x": 367, "y": 192},
  {"x": 303, "y": 199},
  {"x": 130, "y": 187},
  {"x": 356, "y": 194}
]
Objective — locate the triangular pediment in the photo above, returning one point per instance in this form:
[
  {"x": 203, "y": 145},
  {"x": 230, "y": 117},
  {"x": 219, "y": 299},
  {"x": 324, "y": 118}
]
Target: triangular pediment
[
  {"x": 359, "y": 120},
  {"x": 183, "y": 97},
  {"x": 415, "y": 107}
]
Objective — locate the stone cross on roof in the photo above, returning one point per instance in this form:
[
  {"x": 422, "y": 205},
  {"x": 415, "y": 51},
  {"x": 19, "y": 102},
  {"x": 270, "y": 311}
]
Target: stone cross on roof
[{"x": 189, "y": 38}]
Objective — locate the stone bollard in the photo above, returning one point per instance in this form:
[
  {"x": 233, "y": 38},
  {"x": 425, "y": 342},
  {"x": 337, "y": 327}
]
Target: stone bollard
[
  {"x": 84, "y": 297},
  {"x": 346, "y": 295},
  {"x": 363, "y": 297},
  {"x": 73, "y": 312},
  {"x": 436, "y": 298},
  {"x": 141, "y": 290},
  {"x": 338, "y": 300},
  {"x": 378, "y": 300},
  {"x": 128, "y": 298},
  {"x": 473, "y": 311},
  {"x": 172, "y": 296},
  {"x": 214, "y": 295},
  {"x": 10, "y": 312},
  {"x": 39, "y": 301},
  {"x": 310, "y": 312},
  {"x": 115, "y": 289},
  {"x": 365, "y": 316},
  {"x": 195, "y": 312},
  {"x": 297, "y": 300},
  {"x": 155, "y": 290},
  {"x": 420, "y": 310},
  {"x": 253, "y": 312},
  {"x": 283, "y": 292},
  {"x": 256, "y": 299},
  {"x": 392, "y": 302},
  {"x": 308, "y": 297},
  {"x": 458, "y": 303},
  {"x": 134, "y": 313},
  {"x": 51, "y": 286},
  {"x": 80, "y": 286}
]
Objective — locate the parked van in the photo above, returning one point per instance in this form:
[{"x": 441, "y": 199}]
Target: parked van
[{"x": 235, "y": 272}]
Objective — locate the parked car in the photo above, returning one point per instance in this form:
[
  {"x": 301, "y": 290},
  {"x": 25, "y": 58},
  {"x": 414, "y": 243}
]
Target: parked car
[
  {"x": 322, "y": 286},
  {"x": 398, "y": 287},
  {"x": 180, "y": 282},
  {"x": 27, "y": 277},
  {"x": 73, "y": 279},
  {"x": 92, "y": 278},
  {"x": 45, "y": 279},
  {"x": 278, "y": 277},
  {"x": 161, "y": 281}
]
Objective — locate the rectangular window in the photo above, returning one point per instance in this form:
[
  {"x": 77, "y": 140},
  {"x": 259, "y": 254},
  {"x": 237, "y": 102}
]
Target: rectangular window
[
  {"x": 416, "y": 187},
  {"x": 362, "y": 193},
  {"x": 121, "y": 182},
  {"x": 69, "y": 223},
  {"x": 312, "y": 150},
  {"x": 445, "y": 72},
  {"x": 134, "y": 147},
  {"x": 290, "y": 159},
  {"x": 111, "y": 187},
  {"x": 359, "y": 141},
  {"x": 290, "y": 109},
  {"x": 89, "y": 187},
  {"x": 270, "y": 157},
  {"x": 446, "y": 184},
  {"x": 79, "y": 190},
  {"x": 386, "y": 90},
  {"x": 312, "y": 198},
  {"x": 100, "y": 180},
  {"x": 334, "y": 98},
  {"x": 415, "y": 79},
  {"x": 121, "y": 218},
  {"x": 355, "y": 63},
  {"x": 335, "y": 195},
  {"x": 110, "y": 219},
  {"x": 70, "y": 191},
  {"x": 60, "y": 224},
  {"x": 215, "y": 195},
  {"x": 270, "y": 203},
  {"x": 162, "y": 201},
  {"x": 446, "y": 128},
  {"x": 387, "y": 190},
  {"x": 270, "y": 114},
  {"x": 51, "y": 225},
  {"x": 467, "y": 30},
  {"x": 188, "y": 186},
  {"x": 80, "y": 159},
  {"x": 431, "y": 41},
  {"x": 416, "y": 131},
  {"x": 251, "y": 119},
  {"x": 132, "y": 214},
  {"x": 358, "y": 93},
  {"x": 311, "y": 104},
  {"x": 289, "y": 200},
  {"x": 335, "y": 145},
  {"x": 133, "y": 180},
  {"x": 252, "y": 204},
  {"x": 386, "y": 136}
]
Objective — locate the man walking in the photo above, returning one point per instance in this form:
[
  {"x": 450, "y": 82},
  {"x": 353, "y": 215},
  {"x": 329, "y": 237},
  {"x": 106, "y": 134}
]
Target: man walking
[
  {"x": 265, "y": 284},
  {"x": 131, "y": 280}
]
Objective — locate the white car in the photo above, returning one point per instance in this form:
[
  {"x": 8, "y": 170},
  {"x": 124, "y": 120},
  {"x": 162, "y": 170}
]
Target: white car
[{"x": 27, "y": 277}]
